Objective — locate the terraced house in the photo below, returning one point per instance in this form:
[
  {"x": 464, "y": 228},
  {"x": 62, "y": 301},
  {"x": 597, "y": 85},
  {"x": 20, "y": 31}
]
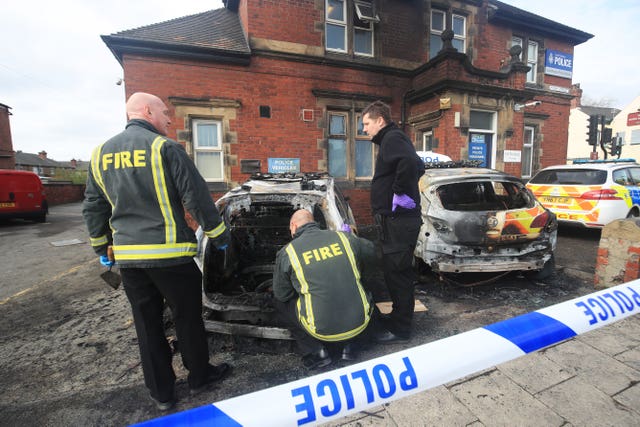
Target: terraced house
[{"x": 280, "y": 85}]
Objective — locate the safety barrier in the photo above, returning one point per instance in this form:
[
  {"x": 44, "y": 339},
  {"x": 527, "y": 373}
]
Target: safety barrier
[{"x": 355, "y": 388}]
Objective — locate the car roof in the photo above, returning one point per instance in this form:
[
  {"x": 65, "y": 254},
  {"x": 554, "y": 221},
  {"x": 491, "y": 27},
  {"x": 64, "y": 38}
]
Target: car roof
[
  {"x": 600, "y": 165},
  {"x": 438, "y": 175},
  {"x": 309, "y": 182}
]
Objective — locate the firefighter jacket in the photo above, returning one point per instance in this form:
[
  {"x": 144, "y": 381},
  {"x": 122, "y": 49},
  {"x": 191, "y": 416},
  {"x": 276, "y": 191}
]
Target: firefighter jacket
[
  {"x": 398, "y": 170},
  {"x": 322, "y": 269},
  {"x": 138, "y": 185}
]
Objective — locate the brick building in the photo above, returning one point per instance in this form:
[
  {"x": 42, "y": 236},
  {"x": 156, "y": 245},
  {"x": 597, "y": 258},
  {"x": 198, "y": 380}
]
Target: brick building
[
  {"x": 268, "y": 81},
  {"x": 7, "y": 160}
]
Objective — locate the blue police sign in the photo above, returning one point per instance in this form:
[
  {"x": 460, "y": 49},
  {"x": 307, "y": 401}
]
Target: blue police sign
[
  {"x": 558, "y": 64},
  {"x": 282, "y": 165}
]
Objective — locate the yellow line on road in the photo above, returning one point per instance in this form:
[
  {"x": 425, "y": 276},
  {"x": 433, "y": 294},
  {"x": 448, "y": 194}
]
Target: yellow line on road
[{"x": 56, "y": 277}]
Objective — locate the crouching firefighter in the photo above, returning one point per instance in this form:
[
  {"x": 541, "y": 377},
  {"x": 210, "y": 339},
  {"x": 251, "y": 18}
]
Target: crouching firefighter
[{"x": 319, "y": 291}]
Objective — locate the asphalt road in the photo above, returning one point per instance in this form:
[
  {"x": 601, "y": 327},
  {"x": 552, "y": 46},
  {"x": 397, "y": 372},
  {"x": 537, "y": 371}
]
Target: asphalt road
[{"x": 68, "y": 350}]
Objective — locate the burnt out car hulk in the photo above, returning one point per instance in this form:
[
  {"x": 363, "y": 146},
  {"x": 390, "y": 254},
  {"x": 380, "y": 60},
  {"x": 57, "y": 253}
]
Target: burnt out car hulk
[
  {"x": 237, "y": 281},
  {"x": 483, "y": 221}
]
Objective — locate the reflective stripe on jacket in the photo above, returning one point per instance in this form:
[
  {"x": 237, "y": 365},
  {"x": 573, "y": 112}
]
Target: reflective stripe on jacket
[
  {"x": 137, "y": 188},
  {"x": 322, "y": 269}
]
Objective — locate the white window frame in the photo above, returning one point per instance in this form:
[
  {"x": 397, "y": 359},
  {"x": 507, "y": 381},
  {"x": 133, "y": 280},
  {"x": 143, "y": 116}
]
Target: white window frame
[
  {"x": 368, "y": 29},
  {"x": 206, "y": 149},
  {"x": 363, "y": 137},
  {"x": 362, "y": 14},
  {"x": 491, "y": 131},
  {"x": 366, "y": 17},
  {"x": 339, "y": 136},
  {"x": 634, "y": 137},
  {"x": 338, "y": 23},
  {"x": 462, "y": 37},
  {"x": 528, "y": 145},
  {"x": 532, "y": 74},
  {"x": 350, "y": 138},
  {"x": 426, "y": 136}
]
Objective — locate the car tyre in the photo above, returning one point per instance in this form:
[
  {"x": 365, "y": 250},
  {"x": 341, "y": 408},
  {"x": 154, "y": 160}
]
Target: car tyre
[{"x": 546, "y": 271}]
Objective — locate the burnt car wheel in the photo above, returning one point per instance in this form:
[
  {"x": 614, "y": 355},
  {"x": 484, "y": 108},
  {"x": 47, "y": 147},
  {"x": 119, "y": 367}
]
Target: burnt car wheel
[{"x": 545, "y": 272}]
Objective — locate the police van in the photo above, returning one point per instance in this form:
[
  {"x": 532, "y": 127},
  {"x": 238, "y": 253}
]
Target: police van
[{"x": 590, "y": 193}]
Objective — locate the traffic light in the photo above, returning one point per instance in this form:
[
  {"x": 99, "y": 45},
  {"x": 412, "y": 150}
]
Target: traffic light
[
  {"x": 616, "y": 146},
  {"x": 606, "y": 135},
  {"x": 592, "y": 137}
]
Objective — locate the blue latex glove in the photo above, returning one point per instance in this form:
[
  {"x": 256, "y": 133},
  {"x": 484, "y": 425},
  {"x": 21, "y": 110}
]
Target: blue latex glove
[
  {"x": 104, "y": 260},
  {"x": 403, "y": 201},
  {"x": 346, "y": 228}
]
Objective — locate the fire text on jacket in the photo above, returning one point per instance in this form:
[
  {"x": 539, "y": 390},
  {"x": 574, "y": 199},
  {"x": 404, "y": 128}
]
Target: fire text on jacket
[
  {"x": 124, "y": 159},
  {"x": 323, "y": 253}
]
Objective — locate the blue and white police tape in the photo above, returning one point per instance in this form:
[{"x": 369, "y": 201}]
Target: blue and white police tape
[{"x": 355, "y": 388}]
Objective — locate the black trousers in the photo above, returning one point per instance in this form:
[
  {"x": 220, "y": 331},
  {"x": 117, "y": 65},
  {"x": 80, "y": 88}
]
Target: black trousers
[
  {"x": 306, "y": 343},
  {"x": 397, "y": 238},
  {"x": 181, "y": 287}
]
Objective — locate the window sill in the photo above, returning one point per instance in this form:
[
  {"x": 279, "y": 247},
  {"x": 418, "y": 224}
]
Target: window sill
[
  {"x": 344, "y": 184},
  {"x": 216, "y": 187}
]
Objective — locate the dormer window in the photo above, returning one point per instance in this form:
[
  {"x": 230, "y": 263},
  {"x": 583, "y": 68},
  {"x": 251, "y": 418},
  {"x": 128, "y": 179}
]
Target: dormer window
[
  {"x": 457, "y": 23},
  {"x": 350, "y": 29},
  {"x": 529, "y": 56}
]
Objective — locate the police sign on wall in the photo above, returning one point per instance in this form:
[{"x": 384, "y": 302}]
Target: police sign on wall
[
  {"x": 558, "y": 63},
  {"x": 283, "y": 165}
]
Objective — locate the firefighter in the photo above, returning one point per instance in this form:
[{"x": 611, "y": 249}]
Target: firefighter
[
  {"x": 318, "y": 288},
  {"x": 137, "y": 184}
]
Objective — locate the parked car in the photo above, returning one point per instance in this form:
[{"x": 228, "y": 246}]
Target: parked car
[
  {"x": 237, "y": 281},
  {"x": 22, "y": 195},
  {"x": 590, "y": 193},
  {"x": 478, "y": 220}
]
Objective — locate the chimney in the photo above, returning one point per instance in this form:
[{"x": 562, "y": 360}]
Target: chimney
[
  {"x": 42, "y": 155},
  {"x": 74, "y": 163},
  {"x": 576, "y": 101}
]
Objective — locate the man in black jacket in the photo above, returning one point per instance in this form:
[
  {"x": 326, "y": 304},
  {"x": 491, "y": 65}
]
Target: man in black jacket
[
  {"x": 137, "y": 187},
  {"x": 395, "y": 202},
  {"x": 318, "y": 288}
]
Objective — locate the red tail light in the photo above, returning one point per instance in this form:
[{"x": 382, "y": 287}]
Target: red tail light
[
  {"x": 541, "y": 220},
  {"x": 602, "y": 194}
]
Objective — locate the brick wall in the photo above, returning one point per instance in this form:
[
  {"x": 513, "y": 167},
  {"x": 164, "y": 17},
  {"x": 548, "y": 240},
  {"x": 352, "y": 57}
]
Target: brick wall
[
  {"x": 289, "y": 84},
  {"x": 7, "y": 159},
  {"x": 618, "y": 259},
  {"x": 58, "y": 193}
]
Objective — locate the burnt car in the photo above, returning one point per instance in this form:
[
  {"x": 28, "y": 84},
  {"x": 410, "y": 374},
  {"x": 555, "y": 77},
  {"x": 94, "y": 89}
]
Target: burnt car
[
  {"x": 237, "y": 281},
  {"x": 483, "y": 222}
]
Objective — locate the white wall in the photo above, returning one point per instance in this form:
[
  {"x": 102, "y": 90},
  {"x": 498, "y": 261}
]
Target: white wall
[
  {"x": 578, "y": 147},
  {"x": 619, "y": 124}
]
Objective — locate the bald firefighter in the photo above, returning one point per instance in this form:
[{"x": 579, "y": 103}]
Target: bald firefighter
[
  {"x": 138, "y": 185},
  {"x": 317, "y": 283}
]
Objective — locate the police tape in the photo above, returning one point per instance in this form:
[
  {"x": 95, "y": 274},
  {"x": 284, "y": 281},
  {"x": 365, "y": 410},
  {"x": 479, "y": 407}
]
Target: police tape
[{"x": 360, "y": 386}]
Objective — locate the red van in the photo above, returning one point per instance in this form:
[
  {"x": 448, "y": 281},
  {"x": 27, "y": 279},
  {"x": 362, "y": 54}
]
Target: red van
[{"x": 22, "y": 195}]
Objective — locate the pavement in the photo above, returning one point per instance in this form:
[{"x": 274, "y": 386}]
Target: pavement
[{"x": 592, "y": 379}]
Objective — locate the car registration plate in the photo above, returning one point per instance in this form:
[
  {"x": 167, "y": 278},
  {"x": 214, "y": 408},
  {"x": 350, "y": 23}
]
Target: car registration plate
[
  {"x": 7, "y": 205},
  {"x": 556, "y": 200}
]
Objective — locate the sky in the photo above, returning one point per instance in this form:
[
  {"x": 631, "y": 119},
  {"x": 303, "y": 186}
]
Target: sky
[{"x": 59, "y": 78}]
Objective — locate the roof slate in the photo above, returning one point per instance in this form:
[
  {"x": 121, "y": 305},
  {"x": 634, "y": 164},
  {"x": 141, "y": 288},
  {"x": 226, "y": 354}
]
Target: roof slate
[
  {"x": 30, "y": 159},
  {"x": 218, "y": 29}
]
